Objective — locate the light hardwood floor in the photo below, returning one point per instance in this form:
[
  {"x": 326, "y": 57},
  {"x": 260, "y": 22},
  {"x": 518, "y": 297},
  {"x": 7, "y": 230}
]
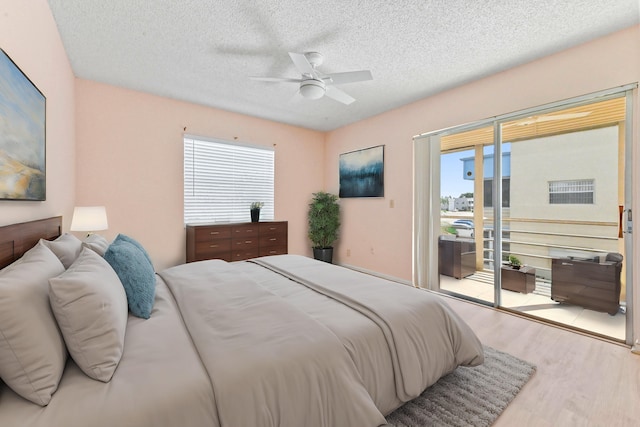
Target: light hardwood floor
[{"x": 580, "y": 380}]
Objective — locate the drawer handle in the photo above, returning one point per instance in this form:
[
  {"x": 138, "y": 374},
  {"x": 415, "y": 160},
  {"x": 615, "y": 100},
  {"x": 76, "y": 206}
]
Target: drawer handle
[
  {"x": 248, "y": 241},
  {"x": 213, "y": 246},
  {"x": 273, "y": 252},
  {"x": 272, "y": 228},
  {"x": 566, "y": 263},
  {"x": 273, "y": 239},
  {"x": 215, "y": 232}
]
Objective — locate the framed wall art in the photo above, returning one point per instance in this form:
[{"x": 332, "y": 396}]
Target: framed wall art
[
  {"x": 22, "y": 135},
  {"x": 362, "y": 173}
]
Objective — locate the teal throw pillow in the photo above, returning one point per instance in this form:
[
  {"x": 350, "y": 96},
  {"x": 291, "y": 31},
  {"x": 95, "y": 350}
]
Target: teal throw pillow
[
  {"x": 136, "y": 274},
  {"x": 125, "y": 238}
]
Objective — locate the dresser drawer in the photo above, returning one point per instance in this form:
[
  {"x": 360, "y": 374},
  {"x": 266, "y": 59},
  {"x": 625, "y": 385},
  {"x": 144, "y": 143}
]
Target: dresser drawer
[
  {"x": 213, "y": 247},
  {"x": 245, "y": 230},
  {"x": 273, "y": 250},
  {"x": 273, "y": 240},
  {"x": 206, "y": 234},
  {"x": 245, "y": 243},
  {"x": 269, "y": 228}
]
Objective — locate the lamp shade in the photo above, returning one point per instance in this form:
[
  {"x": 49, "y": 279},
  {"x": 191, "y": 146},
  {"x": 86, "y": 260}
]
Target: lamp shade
[{"x": 89, "y": 218}]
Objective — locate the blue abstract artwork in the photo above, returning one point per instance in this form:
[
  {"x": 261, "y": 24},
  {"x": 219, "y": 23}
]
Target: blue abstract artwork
[
  {"x": 362, "y": 173},
  {"x": 22, "y": 135}
]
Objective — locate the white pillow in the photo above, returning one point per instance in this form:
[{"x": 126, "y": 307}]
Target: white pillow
[
  {"x": 67, "y": 247},
  {"x": 90, "y": 306},
  {"x": 32, "y": 351},
  {"x": 97, "y": 243}
]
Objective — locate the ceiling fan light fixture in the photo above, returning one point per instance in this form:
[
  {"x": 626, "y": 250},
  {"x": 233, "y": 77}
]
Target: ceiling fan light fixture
[
  {"x": 312, "y": 89},
  {"x": 313, "y": 84}
]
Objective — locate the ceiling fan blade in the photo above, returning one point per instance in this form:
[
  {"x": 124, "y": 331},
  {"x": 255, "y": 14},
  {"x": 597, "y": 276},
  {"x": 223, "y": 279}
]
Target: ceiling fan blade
[
  {"x": 348, "y": 77},
  {"x": 338, "y": 95},
  {"x": 275, "y": 79},
  {"x": 302, "y": 63}
]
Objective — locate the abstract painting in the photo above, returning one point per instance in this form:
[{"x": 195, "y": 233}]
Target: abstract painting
[
  {"x": 22, "y": 135},
  {"x": 362, "y": 173}
]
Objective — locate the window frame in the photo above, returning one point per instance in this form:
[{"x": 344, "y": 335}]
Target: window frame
[
  {"x": 573, "y": 191},
  {"x": 221, "y": 184}
]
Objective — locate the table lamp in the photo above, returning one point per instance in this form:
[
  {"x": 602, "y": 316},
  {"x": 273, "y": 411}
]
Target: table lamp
[{"x": 89, "y": 219}]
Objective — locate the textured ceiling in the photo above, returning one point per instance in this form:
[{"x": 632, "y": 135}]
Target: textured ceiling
[{"x": 202, "y": 51}]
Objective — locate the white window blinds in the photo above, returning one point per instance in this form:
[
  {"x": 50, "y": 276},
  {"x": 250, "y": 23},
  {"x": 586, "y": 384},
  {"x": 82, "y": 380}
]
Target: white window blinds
[{"x": 222, "y": 179}]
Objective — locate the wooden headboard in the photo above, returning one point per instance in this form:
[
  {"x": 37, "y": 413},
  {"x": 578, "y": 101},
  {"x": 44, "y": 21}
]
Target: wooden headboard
[{"x": 16, "y": 239}]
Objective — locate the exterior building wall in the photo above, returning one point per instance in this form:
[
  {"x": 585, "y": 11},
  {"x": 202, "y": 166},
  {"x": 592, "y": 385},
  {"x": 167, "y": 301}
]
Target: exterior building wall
[{"x": 591, "y": 154}]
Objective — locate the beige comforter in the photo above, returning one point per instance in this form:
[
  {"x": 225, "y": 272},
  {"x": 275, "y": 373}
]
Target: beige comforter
[
  {"x": 425, "y": 338},
  {"x": 269, "y": 363}
]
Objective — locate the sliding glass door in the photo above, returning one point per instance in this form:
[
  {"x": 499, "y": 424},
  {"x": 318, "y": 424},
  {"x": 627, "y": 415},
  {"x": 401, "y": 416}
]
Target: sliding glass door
[
  {"x": 563, "y": 250},
  {"x": 551, "y": 238}
]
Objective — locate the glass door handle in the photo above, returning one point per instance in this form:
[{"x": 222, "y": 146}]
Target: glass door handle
[{"x": 628, "y": 226}]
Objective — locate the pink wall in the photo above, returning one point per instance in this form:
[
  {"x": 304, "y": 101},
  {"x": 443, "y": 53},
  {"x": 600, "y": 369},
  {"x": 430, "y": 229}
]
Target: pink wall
[
  {"x": 129, "y": 158},
  {"x": 30, "y": 37},
  {"x": 123, "y": 149},
  {"x": 380, "y": 237}
]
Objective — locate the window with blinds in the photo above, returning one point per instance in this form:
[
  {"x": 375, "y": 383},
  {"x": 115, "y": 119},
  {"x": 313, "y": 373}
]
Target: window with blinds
[
  {"x": 579, "y": 191},
  {"x": 222, "y": 179}
]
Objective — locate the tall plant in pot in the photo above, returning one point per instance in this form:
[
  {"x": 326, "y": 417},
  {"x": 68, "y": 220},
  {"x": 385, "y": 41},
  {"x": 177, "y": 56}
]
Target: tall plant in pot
[{"x": 324, "y": 223}]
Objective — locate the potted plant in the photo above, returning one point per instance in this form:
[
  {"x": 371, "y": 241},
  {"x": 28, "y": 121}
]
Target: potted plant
[
  {"x": 514, "y": 262},
  {"x": 324, "y": 222},
  {"x": 255, "y": 211}
]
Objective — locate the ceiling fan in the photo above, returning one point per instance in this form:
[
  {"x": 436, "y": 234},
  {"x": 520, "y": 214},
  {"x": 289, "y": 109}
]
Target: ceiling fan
[{"x": 315, "y": 84}]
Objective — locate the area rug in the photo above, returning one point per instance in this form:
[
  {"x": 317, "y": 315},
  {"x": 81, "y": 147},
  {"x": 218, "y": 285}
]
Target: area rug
[{"x": 467, "y": 396}]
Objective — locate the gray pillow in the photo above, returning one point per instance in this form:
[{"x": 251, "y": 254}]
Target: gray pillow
[
  {"x": 90, "y": 306},
  {"x": 97, "y": 243},
  {"x": 67, "y": 247},
  {"x": 32, "y": 350}
]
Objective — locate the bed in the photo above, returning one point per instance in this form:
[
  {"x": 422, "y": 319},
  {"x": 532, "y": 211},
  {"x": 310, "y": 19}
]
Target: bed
[{"x": 274, "y": 341}]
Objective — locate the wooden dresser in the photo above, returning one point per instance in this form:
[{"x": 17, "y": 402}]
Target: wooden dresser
[{"x": 236, "y": 241}]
